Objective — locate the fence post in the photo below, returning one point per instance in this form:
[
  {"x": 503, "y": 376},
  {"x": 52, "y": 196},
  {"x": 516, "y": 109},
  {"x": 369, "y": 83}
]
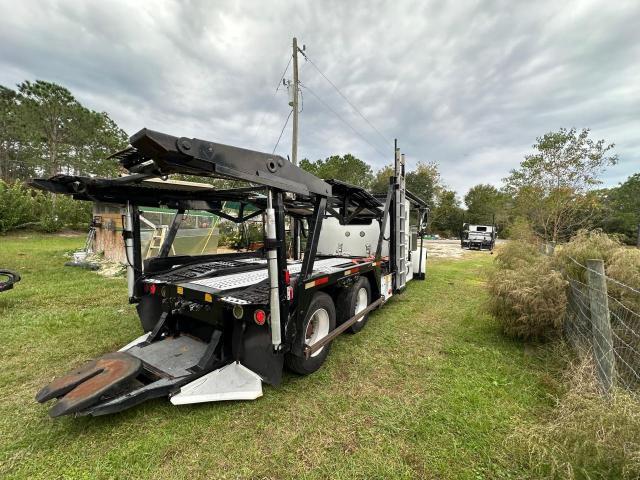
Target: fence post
[{"x": 601, "y": 324}]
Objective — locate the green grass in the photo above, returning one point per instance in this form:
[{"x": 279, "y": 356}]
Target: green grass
[{"x": 429, "y": 389}]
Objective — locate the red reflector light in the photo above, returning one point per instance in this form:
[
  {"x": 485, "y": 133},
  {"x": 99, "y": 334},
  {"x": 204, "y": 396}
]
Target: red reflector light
[
  {"x": 322, "y": 280},
  {"x": 152, "y": 289},
  {"x": 260, "y": 317},
  {"x": 287, "y": 277}
]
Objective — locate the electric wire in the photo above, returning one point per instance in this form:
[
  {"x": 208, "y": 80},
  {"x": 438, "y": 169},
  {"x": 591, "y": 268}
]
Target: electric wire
[
  {"x": 283, "y": 74},
  {"x": 344, "y": 121},
  {"x": 282, "y": 131},
  {"x": 345, "y": 98},
  {"x": 264, "y": 113}
]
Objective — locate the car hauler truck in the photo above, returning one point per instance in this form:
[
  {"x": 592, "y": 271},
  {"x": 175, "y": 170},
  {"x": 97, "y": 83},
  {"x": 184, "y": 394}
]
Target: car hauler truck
[{"x": 217, "y": 326}]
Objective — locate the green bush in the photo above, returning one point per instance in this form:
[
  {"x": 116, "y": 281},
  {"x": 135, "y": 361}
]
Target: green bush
[
  {"x": 520, "y": 229},
  {"x": 17, "y": 207},
  {"x": 23, "y": 207},
  {"x": 60, "y": 211}
]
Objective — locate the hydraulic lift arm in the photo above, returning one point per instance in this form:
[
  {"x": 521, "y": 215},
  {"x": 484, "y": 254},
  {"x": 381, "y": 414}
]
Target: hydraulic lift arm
[
  {"x": 155, "y": 154},
  {"x": 193, "y": 156}
]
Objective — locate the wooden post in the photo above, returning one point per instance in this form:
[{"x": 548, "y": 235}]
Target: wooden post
[
  {"x": 601, "y": 324},
  {"x": 294, "y": 145},
  {"x": 294, "y": 133}
]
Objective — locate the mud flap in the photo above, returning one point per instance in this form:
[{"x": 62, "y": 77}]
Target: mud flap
[
  {"x": 86, "y": 385},
  {"x": 231, "y": 382}
]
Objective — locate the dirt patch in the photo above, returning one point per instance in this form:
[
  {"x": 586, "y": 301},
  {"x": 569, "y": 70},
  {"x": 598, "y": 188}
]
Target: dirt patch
[
  {"x": 99, "y": 264},
  {"x": 450, "y": 249}
]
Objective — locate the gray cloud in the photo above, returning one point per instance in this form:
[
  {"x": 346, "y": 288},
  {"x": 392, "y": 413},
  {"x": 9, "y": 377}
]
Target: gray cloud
[{"x": 466, "y": 84}]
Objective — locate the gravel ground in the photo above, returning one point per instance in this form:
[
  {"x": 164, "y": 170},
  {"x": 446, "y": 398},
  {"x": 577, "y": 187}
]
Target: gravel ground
[{"x": 451, "y": 249}]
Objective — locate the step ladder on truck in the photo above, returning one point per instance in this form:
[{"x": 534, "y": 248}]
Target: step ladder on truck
[{"x": 218, "y": 326}]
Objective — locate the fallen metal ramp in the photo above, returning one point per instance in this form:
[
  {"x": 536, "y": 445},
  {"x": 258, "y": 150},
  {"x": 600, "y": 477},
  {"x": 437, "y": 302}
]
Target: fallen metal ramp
[
  {"x": 86, "y": 385},
  {"x": 231, "y": 382}
]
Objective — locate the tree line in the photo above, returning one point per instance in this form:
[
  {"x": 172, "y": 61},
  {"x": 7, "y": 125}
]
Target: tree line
[
  {"x": 45, "y": 130},
  {"x": 445, "y": 212},
  {"x": 555, "y": 191}
]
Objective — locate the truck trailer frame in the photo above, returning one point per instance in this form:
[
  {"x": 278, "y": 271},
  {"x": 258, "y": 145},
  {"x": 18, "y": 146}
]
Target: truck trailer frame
[{"x": 217, "y": 326}]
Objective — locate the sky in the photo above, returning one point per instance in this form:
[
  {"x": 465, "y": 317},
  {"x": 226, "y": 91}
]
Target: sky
[{"x": 466, "y": 84}]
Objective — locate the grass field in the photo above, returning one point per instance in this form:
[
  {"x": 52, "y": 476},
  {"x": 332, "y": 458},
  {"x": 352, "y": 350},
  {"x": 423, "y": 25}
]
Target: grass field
[{"x": 429, "y": 389}]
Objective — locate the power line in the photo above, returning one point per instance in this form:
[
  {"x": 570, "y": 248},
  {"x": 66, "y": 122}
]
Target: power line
[
  {"x": 282, "y": 131},
  {"x": 283, "y": 74},
  {"x": 346, "y": 99},
  {"x": 343, "y": 120},
  {"x": 264, "y": 113}
]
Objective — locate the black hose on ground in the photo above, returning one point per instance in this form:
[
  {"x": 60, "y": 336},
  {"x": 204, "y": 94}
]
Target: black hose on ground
[{"x": 8, "y": 279}]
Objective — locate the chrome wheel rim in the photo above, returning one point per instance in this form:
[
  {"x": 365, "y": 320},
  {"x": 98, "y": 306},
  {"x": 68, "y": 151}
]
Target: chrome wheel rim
[
  {"x": 317, "y": 329},
  {"x": 362, "y": 301}
]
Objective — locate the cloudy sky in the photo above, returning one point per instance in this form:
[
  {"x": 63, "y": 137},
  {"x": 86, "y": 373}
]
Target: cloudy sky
[{"x": 468, "y": 84}]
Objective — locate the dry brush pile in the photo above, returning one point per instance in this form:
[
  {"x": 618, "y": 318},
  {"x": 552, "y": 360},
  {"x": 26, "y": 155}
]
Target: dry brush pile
[
  {"x": 528, "y": 289},
  {"x": 527, "y": 295},
  {"x": 586, "y": 434}
]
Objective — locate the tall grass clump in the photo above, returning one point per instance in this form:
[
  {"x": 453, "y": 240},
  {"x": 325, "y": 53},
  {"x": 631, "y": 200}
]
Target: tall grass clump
[
  {"x": 583, "y": 246},
  {"x": 587, "y": 435},
  {"x": 527, "y": 296},
  {"x": 624, "y": 267},
  {"x": 621, "y": 263}
]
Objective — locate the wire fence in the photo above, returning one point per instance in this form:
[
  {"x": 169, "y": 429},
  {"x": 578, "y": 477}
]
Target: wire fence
[{"x": 603, "y": 322}]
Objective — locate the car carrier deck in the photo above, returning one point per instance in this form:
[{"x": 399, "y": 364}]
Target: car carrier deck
[{"x": 219, "y": 278}]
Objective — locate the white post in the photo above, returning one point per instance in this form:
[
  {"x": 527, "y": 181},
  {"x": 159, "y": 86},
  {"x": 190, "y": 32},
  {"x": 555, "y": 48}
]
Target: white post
[
  {"x": 128, "y": 245},
  {"x": 272, "y": 260}
]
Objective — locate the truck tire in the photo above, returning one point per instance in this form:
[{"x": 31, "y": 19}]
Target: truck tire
[
  {"x": 318, "y": 322},
  {"x": 352, "y": 300}
]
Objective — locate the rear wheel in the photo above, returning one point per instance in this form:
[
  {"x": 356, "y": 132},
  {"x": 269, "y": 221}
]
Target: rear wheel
[
  {"x": 351, "y": 301},
  {"x": 318, "y": 322}
]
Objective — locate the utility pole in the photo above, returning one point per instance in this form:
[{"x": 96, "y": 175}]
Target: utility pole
[
  {"x": 294, "y": 137},
  {"x": 294, "y": 143}
]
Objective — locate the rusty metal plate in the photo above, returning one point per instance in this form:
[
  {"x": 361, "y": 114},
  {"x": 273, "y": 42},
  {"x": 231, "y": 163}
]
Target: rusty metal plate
[{"x": 85, "y": 386}]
